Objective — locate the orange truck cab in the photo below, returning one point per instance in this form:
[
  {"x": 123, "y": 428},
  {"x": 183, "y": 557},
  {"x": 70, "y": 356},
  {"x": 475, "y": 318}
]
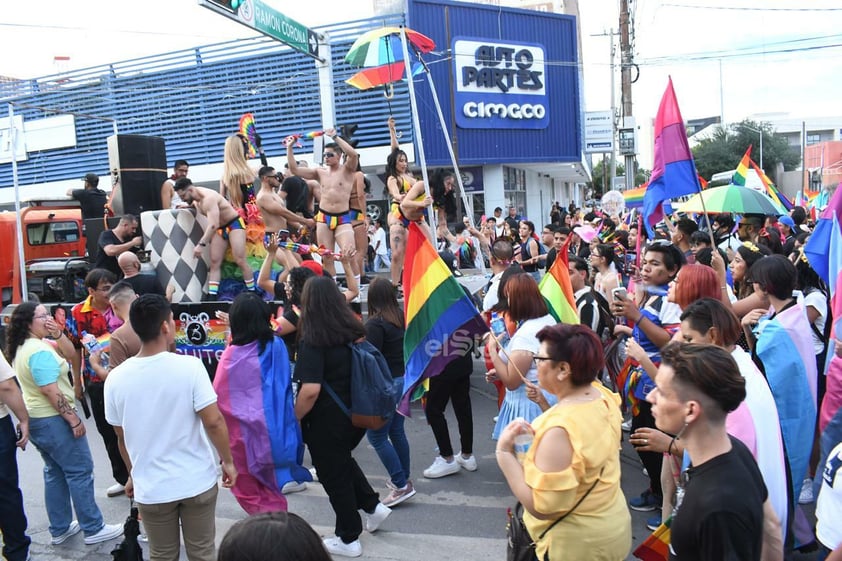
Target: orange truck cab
[{"x": 53, "y": 248}]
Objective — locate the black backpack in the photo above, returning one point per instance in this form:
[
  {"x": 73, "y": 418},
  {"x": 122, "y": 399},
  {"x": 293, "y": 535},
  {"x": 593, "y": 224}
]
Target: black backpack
[{"x": 373, "y": 398}]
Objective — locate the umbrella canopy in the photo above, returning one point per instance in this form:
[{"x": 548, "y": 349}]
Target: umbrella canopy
[
  {"x": 732, "y": 198},
  {"x": 383, "y": 46},
  {"x": 368, "y": 78}
]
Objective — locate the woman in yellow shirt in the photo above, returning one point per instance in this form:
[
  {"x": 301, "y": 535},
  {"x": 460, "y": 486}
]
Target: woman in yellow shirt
[{"x": 575, "y": 451}]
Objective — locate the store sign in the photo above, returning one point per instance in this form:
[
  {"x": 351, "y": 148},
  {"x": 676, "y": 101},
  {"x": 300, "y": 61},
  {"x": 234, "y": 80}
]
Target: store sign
[{"x": 500, "y": 85}]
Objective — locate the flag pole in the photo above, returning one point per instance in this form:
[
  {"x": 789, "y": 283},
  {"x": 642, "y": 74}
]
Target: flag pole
[
  {"x": 416, "y": 125},
  {"x": 707, "y": 218}
]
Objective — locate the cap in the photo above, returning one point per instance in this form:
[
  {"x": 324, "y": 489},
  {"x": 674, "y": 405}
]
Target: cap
[
  {"x": 91, "y": 179},
  {"x": 313, "y": 266},
  {"x": 787, "y": 220},
  {"x": 586, "y": 232}
]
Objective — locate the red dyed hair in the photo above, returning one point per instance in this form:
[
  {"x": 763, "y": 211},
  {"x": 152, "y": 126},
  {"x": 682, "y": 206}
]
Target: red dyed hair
[
  {"x": 696, "y": 281},
  {"x": 524, "y": 298}
]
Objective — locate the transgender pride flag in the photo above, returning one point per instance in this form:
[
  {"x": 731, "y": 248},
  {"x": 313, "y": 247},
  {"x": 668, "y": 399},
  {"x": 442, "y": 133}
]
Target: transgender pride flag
[{"x": 673, "y": 171}]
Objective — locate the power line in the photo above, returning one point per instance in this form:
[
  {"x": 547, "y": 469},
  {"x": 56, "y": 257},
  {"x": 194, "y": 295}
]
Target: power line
[{"x": 751, "y": 9}]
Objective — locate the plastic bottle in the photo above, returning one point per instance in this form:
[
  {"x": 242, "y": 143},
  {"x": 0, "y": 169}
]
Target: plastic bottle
[
  {"x": 523, "y": 440},
  {"x": 92, "y": 345}
]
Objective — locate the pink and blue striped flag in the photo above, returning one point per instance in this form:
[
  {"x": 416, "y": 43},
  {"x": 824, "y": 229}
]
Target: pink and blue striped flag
[{"x": 673, "y": 171}]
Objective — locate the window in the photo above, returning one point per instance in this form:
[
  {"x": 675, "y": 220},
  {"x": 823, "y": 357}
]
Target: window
[
  {"x": 514, "y": 189},
  {"x": 813, "y": 138},
  {"x": 43, "y": 233}
]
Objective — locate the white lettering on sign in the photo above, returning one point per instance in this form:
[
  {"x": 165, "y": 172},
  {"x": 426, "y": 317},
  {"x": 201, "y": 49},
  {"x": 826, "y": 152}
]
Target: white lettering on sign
[
  {"x": 499, "y": 68},
  {"x": 473, "y": 110}
]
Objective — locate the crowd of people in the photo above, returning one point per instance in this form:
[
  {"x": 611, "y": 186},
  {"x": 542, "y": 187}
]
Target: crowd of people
[{"x": 712, "y": 342}]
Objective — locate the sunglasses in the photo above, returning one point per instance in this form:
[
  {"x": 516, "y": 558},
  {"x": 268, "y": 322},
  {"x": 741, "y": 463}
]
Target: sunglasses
[
  {"x": 328, "y": 155},
  {"x": 660, "y": 243}
]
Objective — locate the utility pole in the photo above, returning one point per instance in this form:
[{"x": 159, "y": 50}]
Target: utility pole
[
  {"x": 626, "y": 65},
  {"x": 611, "y": 34}
]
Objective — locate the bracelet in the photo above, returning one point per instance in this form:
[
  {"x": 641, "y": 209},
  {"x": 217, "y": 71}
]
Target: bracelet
[
  {"x": 724, "y": 287},
  {"x": 672, "y": 443},
  {"x": 641, "y": 318},
  {"x": 504, "y": 452},
  {"x": 203, "y": 244},
  {"x": 76, "y": 425}
]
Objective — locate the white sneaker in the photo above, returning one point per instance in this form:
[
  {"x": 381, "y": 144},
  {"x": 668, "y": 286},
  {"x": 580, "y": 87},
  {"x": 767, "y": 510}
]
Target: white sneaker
[
  {"x": 293, "y": 487},
  {"x": 108, "y": 532},
  {"x": 806, "y": 495},
  {"x": 626, "y": 426},
  {"x": 375, "y": 519},
  {"x": 441, "y": 468},
  {"x": 314, "y": 474},
  {"x": 335, "y": 546},
  {"x": 469, "y": 463},
  {"x": 115, "y": 490},
  {"x": 72, "y": 530}
]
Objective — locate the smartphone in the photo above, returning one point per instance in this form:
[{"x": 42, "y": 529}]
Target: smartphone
[
  {"x": 619, "y": 293},
  {"x": 283, "y": 236}
]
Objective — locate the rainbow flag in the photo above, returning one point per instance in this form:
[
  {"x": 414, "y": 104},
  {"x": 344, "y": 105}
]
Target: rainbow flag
[
  {"x": 771, "y": 190},
  {"x": 739, "y": 178},
  {"x": 557, "y": 290},
  {"x": 656, "y": 547},
  {"x": 441, "y": 320},
  {"x": 634, "y": 197},
  {"x": 255, "y": 397},
  {"x": 673, "y": 171}
]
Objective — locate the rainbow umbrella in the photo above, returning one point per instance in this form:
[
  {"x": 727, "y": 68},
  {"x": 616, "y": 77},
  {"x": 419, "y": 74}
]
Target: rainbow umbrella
[
  {"x": 383, "y": 46},
  {"x": 732, "y": 198},
  {"x": 368, "y": 78}
]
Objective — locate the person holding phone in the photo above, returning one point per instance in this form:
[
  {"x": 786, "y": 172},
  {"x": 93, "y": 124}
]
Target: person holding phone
[{"x": 655, "y": 321}]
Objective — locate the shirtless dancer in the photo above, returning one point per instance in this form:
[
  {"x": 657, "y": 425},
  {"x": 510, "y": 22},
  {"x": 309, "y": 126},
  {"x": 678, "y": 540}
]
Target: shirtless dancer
[
  {"x": 275, "y": 214},
  {"x": 225, "y": 226},
  {"x": 333, "y": 221}
]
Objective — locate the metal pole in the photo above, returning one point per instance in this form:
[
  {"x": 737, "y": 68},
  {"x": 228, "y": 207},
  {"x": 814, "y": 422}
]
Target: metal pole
[
  {"x": 613, "y": 118},
  {"x": 761, "y": 148},
  {"x": 326, "y": 100},
  {"x": 416, "y": 125},
  {"x": 13, "y": 133}
]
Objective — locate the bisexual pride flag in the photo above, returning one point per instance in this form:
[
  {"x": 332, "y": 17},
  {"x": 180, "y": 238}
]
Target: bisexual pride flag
[
  {"x": 673, "y": 171},
  {"x": 255, "y": 396}
]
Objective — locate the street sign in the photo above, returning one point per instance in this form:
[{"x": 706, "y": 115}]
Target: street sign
[
  {"x": 599, "y": 132},
  {"x": 267, "y": 20}
]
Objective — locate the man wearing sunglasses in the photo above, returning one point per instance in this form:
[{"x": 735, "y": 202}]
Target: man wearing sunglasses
[
  {"x": 274, "y": 212},
  {"x": 335, "y": 217}
]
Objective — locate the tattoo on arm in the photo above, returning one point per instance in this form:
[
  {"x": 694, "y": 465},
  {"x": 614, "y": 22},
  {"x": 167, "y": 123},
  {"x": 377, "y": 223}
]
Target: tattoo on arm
[{"x": 63, "y": 406}]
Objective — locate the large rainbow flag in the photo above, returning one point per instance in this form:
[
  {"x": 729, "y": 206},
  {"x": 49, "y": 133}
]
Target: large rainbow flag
[
  {"x": 557, "y": 290},
  {"x": 673, "y": 171},
  {"x": 739, "y": 178},
  {"x": 441, "y": 320},
  {"x": 255, "y": 397}
]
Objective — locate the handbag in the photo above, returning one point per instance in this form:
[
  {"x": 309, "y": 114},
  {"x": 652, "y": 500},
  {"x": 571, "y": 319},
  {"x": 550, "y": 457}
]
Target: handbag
[{"x": 521, "y": 546}]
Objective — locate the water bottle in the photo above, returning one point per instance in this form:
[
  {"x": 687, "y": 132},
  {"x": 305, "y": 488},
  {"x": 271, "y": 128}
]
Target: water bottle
[
  {"x": 498, "y": 325},
  {"x": 92, "y": 345}
]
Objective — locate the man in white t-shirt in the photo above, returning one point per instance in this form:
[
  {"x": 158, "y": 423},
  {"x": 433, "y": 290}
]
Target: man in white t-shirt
[
  {"x": 159, "y": 403},
  {"x": 12, "y": 517},
  {"x": 381, "y": 251}
]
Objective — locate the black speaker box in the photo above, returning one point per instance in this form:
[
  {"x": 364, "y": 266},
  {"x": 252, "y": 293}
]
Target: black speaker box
[{"x": 138, "y": 167}]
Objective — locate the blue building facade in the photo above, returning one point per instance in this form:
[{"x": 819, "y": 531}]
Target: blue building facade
[{"x": 508, "y": 82}]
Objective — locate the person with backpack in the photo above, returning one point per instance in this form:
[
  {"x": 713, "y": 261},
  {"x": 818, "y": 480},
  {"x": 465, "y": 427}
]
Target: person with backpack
[
  {"x": 385, "y": 329},
  {"x": 327, "y": 328}
]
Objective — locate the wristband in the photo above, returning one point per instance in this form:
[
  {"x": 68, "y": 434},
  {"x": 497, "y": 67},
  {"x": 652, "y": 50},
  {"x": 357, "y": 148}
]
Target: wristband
[
  {"x": 203, "y": 244},
  {"x": 76, "y": 425}
]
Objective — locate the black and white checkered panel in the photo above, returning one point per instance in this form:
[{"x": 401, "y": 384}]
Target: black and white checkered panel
[{"x": 171, "y": 237}]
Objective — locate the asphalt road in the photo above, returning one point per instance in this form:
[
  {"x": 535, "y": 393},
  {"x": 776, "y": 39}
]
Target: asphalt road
[{"x": 459, "y": 517}]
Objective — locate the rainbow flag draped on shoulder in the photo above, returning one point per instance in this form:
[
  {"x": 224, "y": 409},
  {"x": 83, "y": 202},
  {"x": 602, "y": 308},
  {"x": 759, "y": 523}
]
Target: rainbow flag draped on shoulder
[
  {"x": 441, "y": 320},
  {"x": 557, "y": 290}
]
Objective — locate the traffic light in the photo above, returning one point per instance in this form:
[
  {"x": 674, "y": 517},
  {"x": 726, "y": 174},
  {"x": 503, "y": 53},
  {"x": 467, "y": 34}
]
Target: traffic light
[{"x": 347, "y": 133}]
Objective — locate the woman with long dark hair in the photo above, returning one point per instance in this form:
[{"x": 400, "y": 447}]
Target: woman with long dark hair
[
  {"x": 398, "y": 183},
  {"x": 604, "y": 262},
  {"x": 55, "y": 428},
  {"x": 254, "y": 386},
  {"x": 385, "y": 329},
  {"x": 327, "y": 327}
]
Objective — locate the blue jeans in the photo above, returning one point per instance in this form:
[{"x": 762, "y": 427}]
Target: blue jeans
[
  {"x": 68, "y": 474},
  {"x": 12, "y": 517},
  {"x": 391, "y": 445}
]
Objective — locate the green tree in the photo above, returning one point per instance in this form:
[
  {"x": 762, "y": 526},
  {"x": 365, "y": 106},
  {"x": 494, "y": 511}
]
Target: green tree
[
  {"x": 597, "y": 187},
  {"x": 724, "y": 149}
]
